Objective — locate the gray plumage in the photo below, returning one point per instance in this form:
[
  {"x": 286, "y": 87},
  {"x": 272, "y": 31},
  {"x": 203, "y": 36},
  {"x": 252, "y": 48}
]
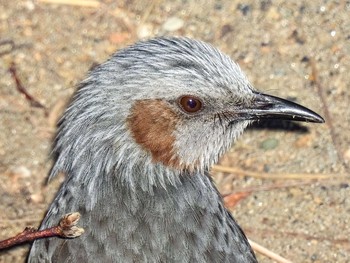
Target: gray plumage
[{"x": 140, "y": 203}]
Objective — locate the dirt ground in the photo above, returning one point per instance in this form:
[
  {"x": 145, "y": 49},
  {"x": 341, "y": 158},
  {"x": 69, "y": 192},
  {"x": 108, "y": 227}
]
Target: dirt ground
[{"x": 291, "y": 49}]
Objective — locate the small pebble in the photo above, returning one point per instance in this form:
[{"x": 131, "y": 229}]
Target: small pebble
[
  {"x": 344, "y": 185},
  {"x": 314, "y": 257},
  {"x": 269, "y": 144},
  {"x": 314, "y": 242},
  {"x": 273, "y": 14},
  {"x": 347, "y": 154},
  {"x": 225, "y": 30},
  {"x": 144, "y": 31},
  {"x": 318, "y": 200},
  {"x": 244, "y": 8},
  {"x": 36, "y": 198},
  {"x": 303, "y": 141},
  {"x": 29, "y": 5},
  {"x": 173, "y": 23},
  {"x": 296, "y": 192},
  {"x": 119, "y": 37},
  {"x": 265, "y": 5},
  {"x": 22, "y": 172}
]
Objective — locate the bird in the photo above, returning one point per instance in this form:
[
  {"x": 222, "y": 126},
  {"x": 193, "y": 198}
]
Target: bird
[{"x": 136, "y": 144}]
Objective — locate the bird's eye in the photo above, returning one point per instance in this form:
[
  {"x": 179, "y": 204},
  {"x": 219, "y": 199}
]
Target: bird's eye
[{"x": 190, "y": 104}]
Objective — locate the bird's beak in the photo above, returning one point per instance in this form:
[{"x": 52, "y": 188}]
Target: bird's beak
[{"x": 265, "y": 106}]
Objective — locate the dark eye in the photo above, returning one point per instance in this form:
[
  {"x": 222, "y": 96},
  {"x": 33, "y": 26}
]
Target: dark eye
[{"x": 190, "y": 104}]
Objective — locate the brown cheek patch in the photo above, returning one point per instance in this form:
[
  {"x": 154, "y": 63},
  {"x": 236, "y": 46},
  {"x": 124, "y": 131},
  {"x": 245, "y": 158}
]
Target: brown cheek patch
[{"x": 152, "y": 124}]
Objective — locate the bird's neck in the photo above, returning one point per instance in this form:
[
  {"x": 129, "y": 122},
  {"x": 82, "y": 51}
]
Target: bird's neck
[{"x": 138, "y": 181}]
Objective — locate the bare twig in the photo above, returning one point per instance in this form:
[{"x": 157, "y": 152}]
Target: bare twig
[
  {"x": 232, "y": 198},
  {"x": 329, "y": 121},
  {"x": 268, "y": 187},
  {"x": 67, "y": 228},
  {"x": 85, "y": 3},
  {"x": 302, "y": 176},
  {"x": 268, "y": 253},
  {"x": 8, "y": 46},
  {"x": 288, "y": 234},
  {"x": 21, "y": 88}
]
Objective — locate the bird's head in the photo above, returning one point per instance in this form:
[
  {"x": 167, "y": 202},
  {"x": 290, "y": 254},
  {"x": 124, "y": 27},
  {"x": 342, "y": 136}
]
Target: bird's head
[{"x": 170, "y": 102}]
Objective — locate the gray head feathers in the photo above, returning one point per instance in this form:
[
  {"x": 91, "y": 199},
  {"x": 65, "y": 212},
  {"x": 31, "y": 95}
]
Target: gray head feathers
[{"x": 95, "y": 127}]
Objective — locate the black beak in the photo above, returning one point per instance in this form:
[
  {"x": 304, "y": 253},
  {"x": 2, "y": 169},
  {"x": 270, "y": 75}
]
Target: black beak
[{"x": 270, "y": 107}]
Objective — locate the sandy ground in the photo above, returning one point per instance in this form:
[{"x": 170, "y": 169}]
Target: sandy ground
[{"x": 287, "y": 48}]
